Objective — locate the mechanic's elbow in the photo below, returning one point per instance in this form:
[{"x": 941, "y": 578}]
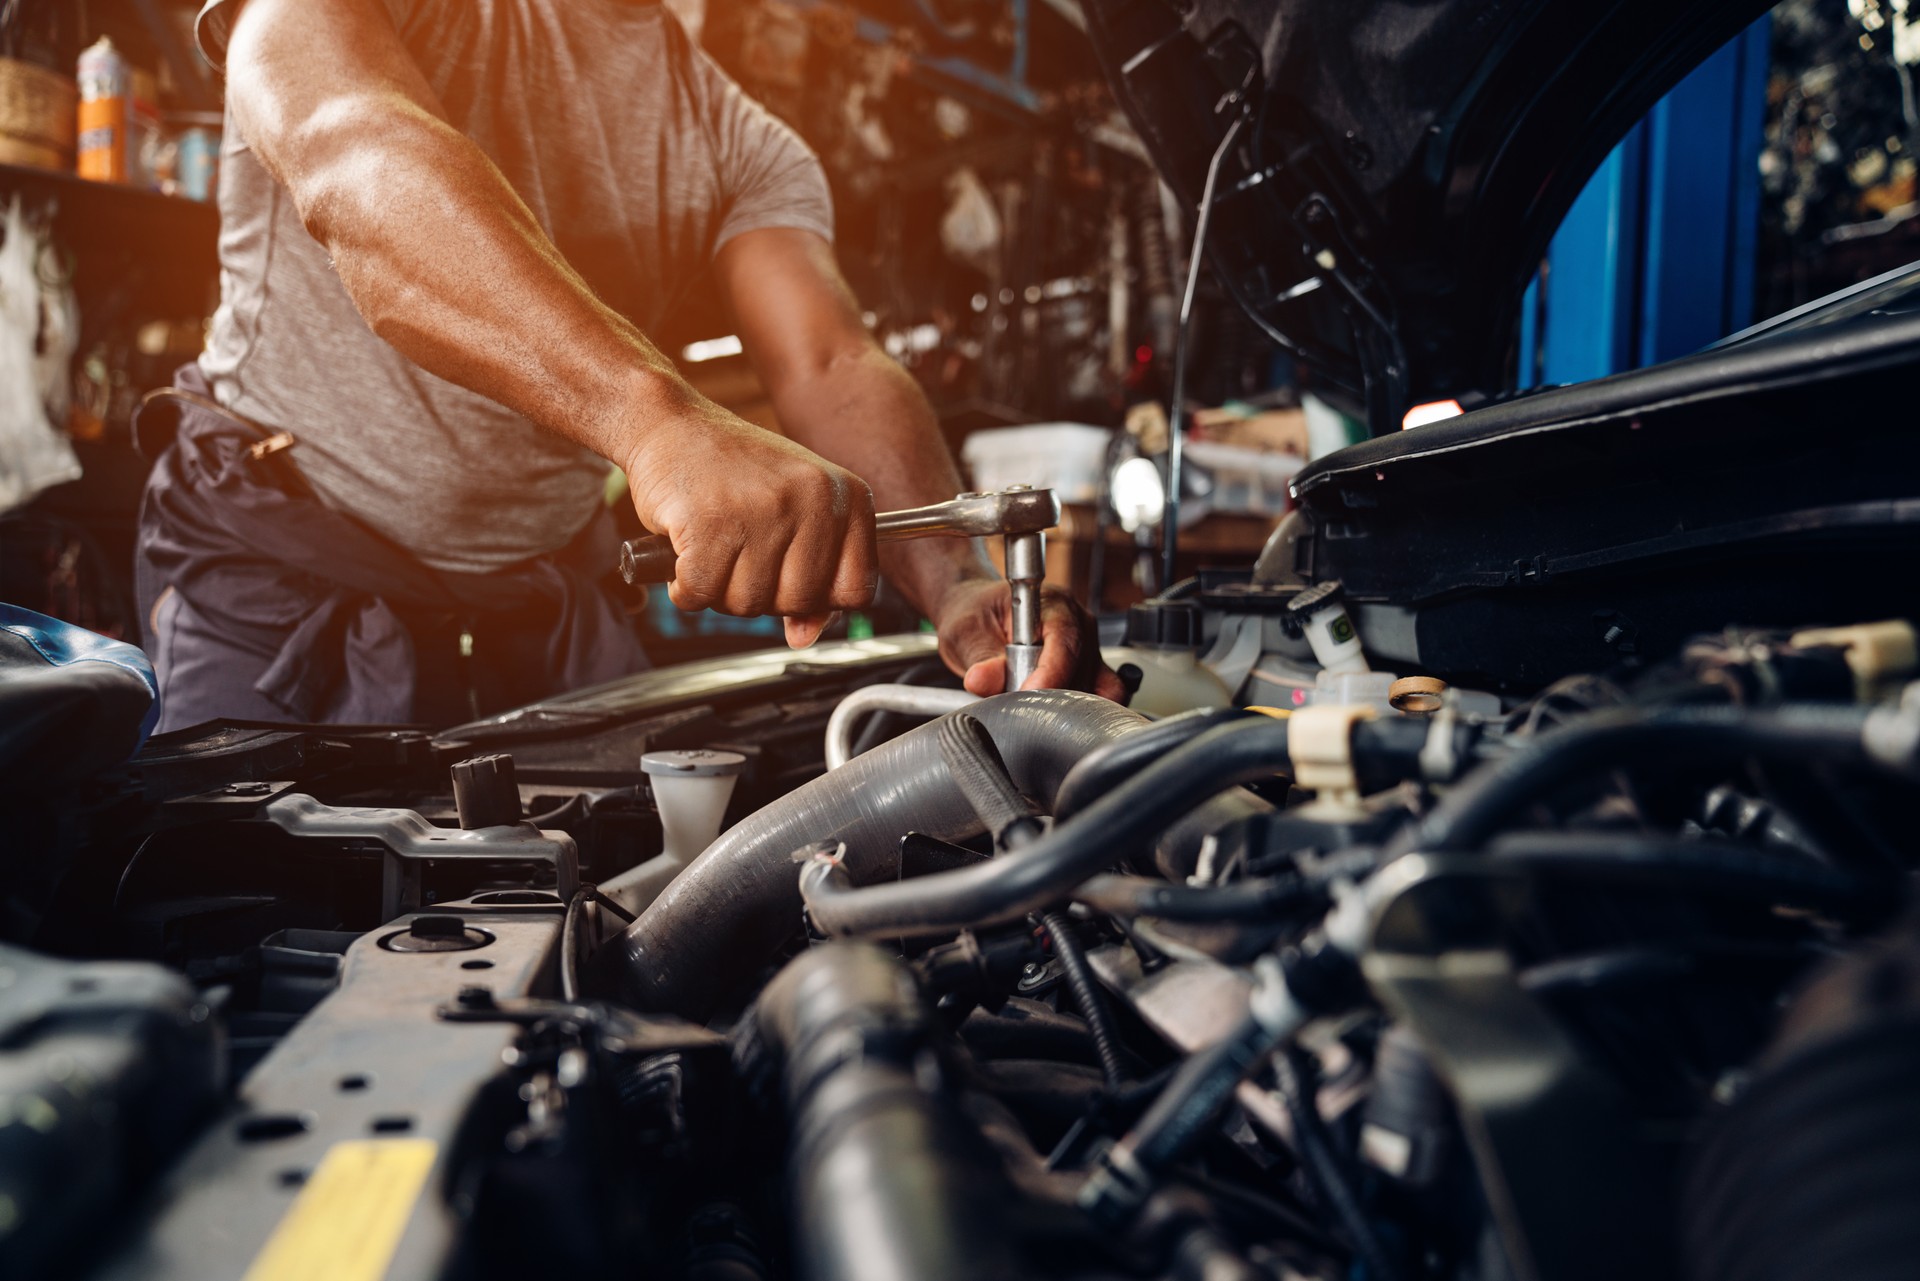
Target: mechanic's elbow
[
  {"x": 839, "y": 361},
  {"x": 341, "y": 164}
]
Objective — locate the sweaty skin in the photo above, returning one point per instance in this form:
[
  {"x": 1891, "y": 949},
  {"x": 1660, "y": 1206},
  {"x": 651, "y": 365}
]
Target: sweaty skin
[{"x": 446, "y": 263}]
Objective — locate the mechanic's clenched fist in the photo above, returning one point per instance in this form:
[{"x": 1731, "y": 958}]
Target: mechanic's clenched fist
[
  {"x": 975, "y": 619},
  {"x": 759, "y": 524}
]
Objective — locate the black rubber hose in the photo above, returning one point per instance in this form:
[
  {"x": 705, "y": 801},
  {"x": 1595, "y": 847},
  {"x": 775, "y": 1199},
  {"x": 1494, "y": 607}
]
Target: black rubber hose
[
  {"x": 1087, "y": 995},
  {"x": 1714, "y": 866},
  {"x": 1123, "y": 823},
  {"x": 1105, "y": 768},
  {"x": 705, "y": 938},
  {"x": 1475, "y": 811},
  {"x": 974, "y": 761},
  {"x": 1314, "y": 1147},
  {"x": 1238, "y": 901},
  {"x": 890, "y": 1182}
]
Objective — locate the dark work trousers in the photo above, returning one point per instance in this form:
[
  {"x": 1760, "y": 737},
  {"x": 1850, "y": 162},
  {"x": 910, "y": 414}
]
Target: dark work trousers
[{"x": 260, "y": 602}]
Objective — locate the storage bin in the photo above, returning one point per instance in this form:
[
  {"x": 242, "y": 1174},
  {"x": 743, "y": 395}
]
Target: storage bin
[
  {"x": 1245, "y": 480},
  {"x": 1064, "y": 457}
]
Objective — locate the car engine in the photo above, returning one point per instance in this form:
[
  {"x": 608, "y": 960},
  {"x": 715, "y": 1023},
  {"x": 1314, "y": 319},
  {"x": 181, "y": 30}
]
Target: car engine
[{"x": 1379, "y": 977}]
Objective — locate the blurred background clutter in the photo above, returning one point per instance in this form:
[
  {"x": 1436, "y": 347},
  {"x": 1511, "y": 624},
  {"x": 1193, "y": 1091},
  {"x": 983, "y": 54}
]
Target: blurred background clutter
[{"x": 1002, "y": 227}]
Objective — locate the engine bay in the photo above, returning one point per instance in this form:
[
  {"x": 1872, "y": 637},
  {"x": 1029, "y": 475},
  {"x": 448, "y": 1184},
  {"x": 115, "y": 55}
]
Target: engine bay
[{"x": 1356, "y": 977}]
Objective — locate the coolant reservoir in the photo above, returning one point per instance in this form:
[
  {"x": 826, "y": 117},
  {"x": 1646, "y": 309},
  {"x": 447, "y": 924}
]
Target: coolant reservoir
[
  {"x": 691, "y": 790},
  {"x": 1163, "y": 641}
]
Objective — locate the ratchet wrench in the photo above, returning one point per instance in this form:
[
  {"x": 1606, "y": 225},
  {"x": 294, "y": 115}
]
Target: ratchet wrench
[{"x": 1019, "y": 513}]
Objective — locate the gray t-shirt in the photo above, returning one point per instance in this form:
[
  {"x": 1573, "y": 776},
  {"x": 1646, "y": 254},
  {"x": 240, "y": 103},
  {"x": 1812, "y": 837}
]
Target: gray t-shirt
[{"x": 637, "y": 155}]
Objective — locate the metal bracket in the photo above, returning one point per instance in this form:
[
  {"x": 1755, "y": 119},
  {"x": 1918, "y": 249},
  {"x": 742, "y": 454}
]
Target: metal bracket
[
  {"x": 410, "y": 842},
  {"x": 1528, "y": 1095}
]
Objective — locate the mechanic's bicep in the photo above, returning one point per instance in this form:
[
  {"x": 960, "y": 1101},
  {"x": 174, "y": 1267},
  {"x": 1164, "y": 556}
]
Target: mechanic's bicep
[
  {"x": 793, "y": 309},
  {"x": 310, "y": 81}
]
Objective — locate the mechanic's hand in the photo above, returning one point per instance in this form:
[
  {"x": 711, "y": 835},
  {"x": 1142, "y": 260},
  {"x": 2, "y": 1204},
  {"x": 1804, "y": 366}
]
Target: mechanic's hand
[
  {"x": 975, "y": 618},
  {"x": 759, "y": 525}
]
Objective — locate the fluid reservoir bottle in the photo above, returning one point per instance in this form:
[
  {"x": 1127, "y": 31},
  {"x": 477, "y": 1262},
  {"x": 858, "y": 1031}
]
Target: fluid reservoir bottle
[
  {"x": 1163, "y": 640},
  {"x": 691, "y": 790}
]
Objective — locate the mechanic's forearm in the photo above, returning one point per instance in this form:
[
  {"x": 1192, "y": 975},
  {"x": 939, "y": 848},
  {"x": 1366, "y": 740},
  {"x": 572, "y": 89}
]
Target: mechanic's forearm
[
  {"x": 439, "y": 253},
  {"x": 866, "y": 413}
]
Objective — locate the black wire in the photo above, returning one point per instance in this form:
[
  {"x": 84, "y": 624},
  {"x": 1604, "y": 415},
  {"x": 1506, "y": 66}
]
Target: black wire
[
  {"x": 1323, "y": 1168},
  {"x": 570, "y": 935},
  {"x": 1177, "y": 413},
  {"x": 570, "y": 942},
  {"x": 1087, "y": 995},
  {"x": 574, "y": 807}
]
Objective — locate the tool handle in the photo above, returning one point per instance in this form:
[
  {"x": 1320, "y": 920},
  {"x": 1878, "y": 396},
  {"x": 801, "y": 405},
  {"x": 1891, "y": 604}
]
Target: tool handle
[
  {"x": 651, "y": 559},
  {"x": 1013, "y": 512},
  {"x": 647, "y": 560}
]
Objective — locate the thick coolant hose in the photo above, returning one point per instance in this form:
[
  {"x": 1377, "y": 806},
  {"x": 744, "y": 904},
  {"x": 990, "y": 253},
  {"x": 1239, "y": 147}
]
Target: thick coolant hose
[
  {"x": 1117, "y": 826},
  {"x": 1809, "y": 1173},
  {"x": 721, "y": 920},
  {"x": 889, "y": 1182},
  {"x": 1671, "y": 738}
]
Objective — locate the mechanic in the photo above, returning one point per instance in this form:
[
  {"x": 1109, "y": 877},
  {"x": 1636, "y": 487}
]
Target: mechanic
[{"x": 447, "y": 226}]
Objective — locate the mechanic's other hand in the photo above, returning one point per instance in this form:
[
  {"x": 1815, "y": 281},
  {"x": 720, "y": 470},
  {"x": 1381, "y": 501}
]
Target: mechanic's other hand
[
  {"x": 975, "y": 618},
  {"x": 759, "y": 525}
]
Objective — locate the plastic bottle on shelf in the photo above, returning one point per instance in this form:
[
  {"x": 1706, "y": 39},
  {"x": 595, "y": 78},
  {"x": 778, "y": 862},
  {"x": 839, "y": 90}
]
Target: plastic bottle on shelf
[{"x": 106, "y": 99}]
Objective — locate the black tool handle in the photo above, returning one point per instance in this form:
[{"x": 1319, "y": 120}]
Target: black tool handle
[{"x": 647, "y": 560}]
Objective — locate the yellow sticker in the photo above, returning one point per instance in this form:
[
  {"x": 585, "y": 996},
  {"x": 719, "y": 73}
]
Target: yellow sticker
[{"x": 346, "y": 1222}]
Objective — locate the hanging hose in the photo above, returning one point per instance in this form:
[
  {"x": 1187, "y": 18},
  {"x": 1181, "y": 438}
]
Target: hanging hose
[
  {"x": 974, "y": 761},
  {"x": 1087, "y": 995},
  {"x": 1314, "y": 1147},
  {"x": 1121, "y": 824},
  {"x": 975, "y": 764}
]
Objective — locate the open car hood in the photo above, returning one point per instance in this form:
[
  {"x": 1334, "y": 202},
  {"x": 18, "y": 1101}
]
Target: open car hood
[{"x": 1396, "y": 167}]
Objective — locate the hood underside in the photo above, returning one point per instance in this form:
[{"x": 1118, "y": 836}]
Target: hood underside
[{"x": 1393, "y": 169}]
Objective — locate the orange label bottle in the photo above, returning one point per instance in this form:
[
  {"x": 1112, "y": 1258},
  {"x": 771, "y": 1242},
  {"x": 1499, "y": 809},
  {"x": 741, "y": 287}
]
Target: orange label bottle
[{"x": 105, "y": 95}]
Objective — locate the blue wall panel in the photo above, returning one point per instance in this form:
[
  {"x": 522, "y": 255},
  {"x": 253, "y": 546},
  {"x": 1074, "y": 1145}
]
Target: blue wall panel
[{"x": 1655, "y": 258}]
